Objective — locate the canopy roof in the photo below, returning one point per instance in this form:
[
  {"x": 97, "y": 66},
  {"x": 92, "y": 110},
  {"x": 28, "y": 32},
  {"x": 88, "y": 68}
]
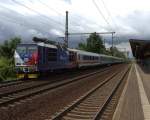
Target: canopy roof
[{"x": 140, "y": 48}]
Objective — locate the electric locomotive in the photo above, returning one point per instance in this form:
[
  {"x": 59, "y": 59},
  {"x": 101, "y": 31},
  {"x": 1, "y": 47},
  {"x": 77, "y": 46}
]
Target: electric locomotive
[{"x": 35, "y": 58}]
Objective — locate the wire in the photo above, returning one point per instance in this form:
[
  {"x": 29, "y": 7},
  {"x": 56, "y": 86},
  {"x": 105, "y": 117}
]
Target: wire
[
  {"x": 56, "y": 11},
  {"x": 20, "y": 24},
  {"x": 48, "y": 18},
  {"x": 101, "y": 14},
  {"x": 108, "y": 12},
  {"x": 14, "y": 21},
  {"x": 51, "y": 8},
  {"x": 22, "y": 15}
]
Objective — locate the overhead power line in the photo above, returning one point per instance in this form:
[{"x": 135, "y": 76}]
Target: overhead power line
[
  {"x": 56, "y": 11},
  {"x": 22, "y": 23},
  {"x": 51, "y": 8},
  {"x": 48, "y": 18},
  {"x": 71, "y": 21},
  {"x": 102, "y": 14},
  {"x": 41, "y": 21},
  {"x": 108, "y": 12}
]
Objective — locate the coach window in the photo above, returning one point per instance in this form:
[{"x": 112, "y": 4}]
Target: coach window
[{"x": 52, "y": 54}]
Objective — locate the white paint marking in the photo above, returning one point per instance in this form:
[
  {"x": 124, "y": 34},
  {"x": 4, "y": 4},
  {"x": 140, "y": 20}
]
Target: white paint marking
[{"x": 143, "y": 96}]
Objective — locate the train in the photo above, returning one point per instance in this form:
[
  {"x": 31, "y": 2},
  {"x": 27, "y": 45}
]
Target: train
[{"x": 42, "y": 56}]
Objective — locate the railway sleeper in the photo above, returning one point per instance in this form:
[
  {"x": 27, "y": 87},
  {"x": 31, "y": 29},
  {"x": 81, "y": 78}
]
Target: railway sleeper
[
  {"x": 70, "y": 118},
  {"x": 79, "y": 116},
  {"x": 85, "y": 110},
  {"x": 90, "y": 103},
  {"x": 89, "y": 107},
  {"x": 82, "y": 113}
]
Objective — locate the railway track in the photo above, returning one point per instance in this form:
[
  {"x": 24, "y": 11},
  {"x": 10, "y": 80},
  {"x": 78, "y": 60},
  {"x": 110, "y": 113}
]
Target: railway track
[
  {"x": 10, "y": 97},
  {"x": 91, "y": 105},
  {"x": 22, "y": 81},
  {"x": 9, "y": 83},
  {"x": 19, "y": 86}
]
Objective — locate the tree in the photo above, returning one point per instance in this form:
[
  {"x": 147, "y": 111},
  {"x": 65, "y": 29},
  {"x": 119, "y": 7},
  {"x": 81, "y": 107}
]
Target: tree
[
  {"x": 82, "y": 46},
  {"x": 7, "y": 49},
  {"x": 117, "y": 53},
  {"x": 93, "y": 44}
]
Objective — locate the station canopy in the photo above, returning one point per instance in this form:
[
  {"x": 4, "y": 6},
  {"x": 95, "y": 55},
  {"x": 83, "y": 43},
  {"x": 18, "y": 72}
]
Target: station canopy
[{"x": 140, "y": 48}]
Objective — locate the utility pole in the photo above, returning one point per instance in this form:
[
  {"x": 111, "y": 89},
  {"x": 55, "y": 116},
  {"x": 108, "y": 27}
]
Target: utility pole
[
  {"x": 112, "y": 42},
  {"x": 66, "y": 30}
]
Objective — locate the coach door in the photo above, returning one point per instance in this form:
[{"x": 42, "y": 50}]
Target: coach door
[{"x": 72, "y": 59}]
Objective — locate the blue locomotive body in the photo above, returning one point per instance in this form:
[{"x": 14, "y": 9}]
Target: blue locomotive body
[{"x": 52, "y": 58}]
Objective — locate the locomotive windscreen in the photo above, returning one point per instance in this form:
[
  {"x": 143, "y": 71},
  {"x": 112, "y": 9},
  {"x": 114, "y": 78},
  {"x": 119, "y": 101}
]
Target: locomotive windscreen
[
  {"x": 27, "y": 53},
  {"x": 26, "y": 49}
]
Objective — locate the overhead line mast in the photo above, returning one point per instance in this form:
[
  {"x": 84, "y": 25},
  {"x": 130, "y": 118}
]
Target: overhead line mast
[
  {"x": 112, "y": 33},
  {"x": 86, "y": 33},
  {"x": 66, "y": 30}
]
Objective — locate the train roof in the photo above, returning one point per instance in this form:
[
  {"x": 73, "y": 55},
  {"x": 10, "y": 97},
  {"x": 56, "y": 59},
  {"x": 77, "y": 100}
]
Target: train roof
[
  {"x": 38, "y": 44},
  {"x": 83, "y": 52},
  {"x": 75, "y": 50},
  {"x": 46, "y": 45},
  {"x": 90, "y": 53}
]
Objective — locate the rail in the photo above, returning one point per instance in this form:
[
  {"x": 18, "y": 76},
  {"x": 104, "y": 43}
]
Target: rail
[
  {"x": 70, "y": 112},
  {"x": 14, "y": 96}
]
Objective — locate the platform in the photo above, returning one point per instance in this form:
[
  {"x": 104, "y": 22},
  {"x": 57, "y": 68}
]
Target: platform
[{"x": 134, "y": 103}]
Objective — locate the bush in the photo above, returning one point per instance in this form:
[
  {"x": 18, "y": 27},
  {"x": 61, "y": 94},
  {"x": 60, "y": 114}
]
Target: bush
[{"x": 6, "y": 69}]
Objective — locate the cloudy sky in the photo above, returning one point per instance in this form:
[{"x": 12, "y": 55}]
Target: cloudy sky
[{"x": 46, "y": 18}]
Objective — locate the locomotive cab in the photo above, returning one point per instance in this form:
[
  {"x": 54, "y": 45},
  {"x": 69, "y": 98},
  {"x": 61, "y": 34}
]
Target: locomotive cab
[{"x": 26, "y": 60}]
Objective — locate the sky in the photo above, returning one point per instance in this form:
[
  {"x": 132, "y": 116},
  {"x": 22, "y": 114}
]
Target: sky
[{"x": 46, "y": 18}]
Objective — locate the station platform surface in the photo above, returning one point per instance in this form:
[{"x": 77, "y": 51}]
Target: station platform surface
[{"x": 134, "y": 103}]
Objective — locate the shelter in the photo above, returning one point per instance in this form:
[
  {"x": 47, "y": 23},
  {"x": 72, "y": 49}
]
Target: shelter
[{"x": 140, "y": 48}]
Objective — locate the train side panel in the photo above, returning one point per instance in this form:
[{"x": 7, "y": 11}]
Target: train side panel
[{"x": 52, "y": 58}]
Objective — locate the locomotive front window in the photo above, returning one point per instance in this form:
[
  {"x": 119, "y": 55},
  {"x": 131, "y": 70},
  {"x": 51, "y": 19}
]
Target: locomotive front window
[
  {"x": 21, "y": 49},
  {"x": 32, "y": 49}
]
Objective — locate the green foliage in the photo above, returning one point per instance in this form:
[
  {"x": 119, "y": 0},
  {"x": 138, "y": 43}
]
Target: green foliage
[
  {"x": 6, "y": 58},
  {"x": 6, "y": 68},
  {"x": 82, "y": 46},
  {"x": 7, "y": 49},
  {"x": 93, "y": 44},
  {"x": 117, "y": 53}
]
